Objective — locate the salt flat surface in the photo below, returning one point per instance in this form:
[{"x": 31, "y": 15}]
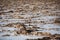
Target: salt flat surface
[
  {"x": 31, "y": 14},
  {"x": 20, "y": 37}
]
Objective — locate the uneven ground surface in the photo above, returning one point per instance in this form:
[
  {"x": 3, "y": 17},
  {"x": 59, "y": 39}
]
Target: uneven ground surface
[{"x": 29, "y": 20}]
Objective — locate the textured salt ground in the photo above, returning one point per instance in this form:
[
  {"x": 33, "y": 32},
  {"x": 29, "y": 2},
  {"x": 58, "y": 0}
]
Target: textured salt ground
[
  {"x": 41, "y": 16},
  {"x": 11, "y": 30},
  {"x": 8, "y": 33},
  {"x": 20, "y": 37},
  {"x": 11, "y": 36}
]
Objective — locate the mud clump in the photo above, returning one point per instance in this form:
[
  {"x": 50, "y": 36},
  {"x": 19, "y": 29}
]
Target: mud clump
[{"x": 30, "y": 31}]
